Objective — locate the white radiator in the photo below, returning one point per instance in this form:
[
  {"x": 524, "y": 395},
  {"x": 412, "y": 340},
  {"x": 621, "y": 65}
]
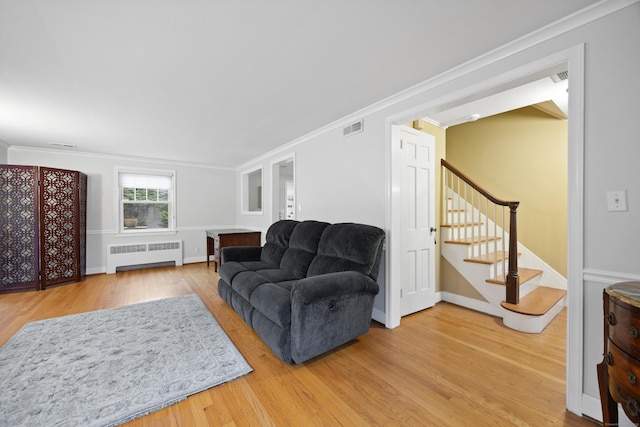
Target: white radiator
[{"x": 143, "y": 253}]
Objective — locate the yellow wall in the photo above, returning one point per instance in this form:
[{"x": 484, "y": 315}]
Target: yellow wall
[{"x": 521, "y": 155}]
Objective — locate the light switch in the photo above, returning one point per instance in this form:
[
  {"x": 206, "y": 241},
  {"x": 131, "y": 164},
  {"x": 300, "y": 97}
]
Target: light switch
[{"x": 617, "y": 201}]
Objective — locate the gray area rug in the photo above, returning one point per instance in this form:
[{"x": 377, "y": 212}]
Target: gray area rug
[{"x": 106, "y": 367}]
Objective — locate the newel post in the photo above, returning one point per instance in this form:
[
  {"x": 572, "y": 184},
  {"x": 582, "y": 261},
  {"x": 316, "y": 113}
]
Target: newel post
[{"x": 512, "y": 279}]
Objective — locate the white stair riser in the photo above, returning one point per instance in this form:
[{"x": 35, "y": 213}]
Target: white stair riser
[
  {"x": 471, "y": 251},
  {"x": 477, "y": 274},
  {"x": 532, "y": 324}
]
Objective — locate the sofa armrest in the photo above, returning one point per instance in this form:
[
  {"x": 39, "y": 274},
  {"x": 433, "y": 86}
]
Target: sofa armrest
[
  {"x": 240, "y": 253},
  {"x": 329, "y": 310},
  {"x": 331, "y": 285}
]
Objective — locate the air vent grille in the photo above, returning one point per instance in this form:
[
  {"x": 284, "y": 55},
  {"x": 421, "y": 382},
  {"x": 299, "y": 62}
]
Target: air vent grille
[
  {"x": 353, "y": 128},
  {"x": 164, "y": 246},
  {"x": 557, "y": 78},
  {"x": 127, "y": 249}
]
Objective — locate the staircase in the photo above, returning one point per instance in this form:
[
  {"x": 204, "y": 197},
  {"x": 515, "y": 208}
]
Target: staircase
[{"x": 475, "y": 242}]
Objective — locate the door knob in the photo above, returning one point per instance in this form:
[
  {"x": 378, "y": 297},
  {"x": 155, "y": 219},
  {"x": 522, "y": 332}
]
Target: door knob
[{"x": 432, "y": 229}]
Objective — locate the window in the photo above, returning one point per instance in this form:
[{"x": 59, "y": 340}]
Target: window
[{"x": 146, "y": 201}]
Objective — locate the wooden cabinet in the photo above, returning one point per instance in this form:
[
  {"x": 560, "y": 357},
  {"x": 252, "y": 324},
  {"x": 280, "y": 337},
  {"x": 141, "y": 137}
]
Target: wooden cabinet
[
  {"x": 619, "y": 372},
  {"x": 218, "y": 239},
  {"x": 42, "y": 226}
]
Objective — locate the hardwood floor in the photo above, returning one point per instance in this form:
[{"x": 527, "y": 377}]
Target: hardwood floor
[{"x": 445, "y": 366}]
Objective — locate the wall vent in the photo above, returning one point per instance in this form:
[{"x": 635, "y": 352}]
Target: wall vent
[
  {"x": 142, "y": 254},
  {"x": 353, "y": 128},
  {"x": 557, "y": 78}
]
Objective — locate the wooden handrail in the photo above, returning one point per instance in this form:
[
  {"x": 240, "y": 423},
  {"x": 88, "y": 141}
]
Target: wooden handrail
[
  {"x": 512, "y": 279},
  {"x": 469, "y": 181}
]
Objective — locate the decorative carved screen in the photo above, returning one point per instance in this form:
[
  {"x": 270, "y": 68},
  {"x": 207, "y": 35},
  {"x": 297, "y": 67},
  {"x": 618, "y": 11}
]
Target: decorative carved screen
[
  {"x": 19, "y": 227},
  {"x": 52, "y": 219},
  {"x": 60, "y": 226}
]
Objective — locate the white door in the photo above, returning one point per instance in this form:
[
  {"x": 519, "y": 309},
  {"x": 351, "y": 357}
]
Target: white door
[{"x": 417, "y": 221}]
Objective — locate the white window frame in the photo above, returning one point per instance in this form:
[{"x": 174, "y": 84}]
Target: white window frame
[{"x": 171, "y": 174}]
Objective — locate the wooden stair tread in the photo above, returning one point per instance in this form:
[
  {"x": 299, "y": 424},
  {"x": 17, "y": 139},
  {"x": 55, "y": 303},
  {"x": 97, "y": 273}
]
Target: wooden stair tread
[
  {"x": 525, "y": 275},
  {"x": 537, "y": 302},
  {"x": 461, "y": 224},
  {"x": 470, "y": 241},
  {"x": 489, "y": 259}
]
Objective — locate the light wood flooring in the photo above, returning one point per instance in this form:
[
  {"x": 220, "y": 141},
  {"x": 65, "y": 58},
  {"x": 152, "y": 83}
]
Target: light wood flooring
[{"x": 445, "y": 366}]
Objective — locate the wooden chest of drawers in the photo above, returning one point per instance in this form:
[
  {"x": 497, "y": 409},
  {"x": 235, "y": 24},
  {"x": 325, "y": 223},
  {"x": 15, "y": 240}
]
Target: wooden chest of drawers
[{"x": 619, "y": 372}]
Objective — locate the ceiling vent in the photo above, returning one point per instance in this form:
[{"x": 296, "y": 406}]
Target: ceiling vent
[
  {"x": 353, "y": 128},
  {"x": 557, "y": 78},
  {"x": 60, "y": 144}
]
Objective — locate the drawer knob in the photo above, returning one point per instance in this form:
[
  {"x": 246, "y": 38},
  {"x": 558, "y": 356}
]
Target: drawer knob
[
  {"x": 632, "y": 406},
  {"x": 611, "y": 318},
  {"x": 632, "y": 378},
  {"x": 634, "y": 332},
  {"x": 608, "y": 358}
]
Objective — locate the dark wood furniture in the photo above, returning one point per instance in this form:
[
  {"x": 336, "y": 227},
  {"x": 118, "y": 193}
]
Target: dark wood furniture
[
  {"x": 218, "y": 239},
  {"x": 42, "y": 227},
  {"x": 619, "y": 372}
]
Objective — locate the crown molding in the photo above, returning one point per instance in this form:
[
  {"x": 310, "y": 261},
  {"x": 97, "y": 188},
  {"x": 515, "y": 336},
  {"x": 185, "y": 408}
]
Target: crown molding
[{"x": 87, "y": 154}]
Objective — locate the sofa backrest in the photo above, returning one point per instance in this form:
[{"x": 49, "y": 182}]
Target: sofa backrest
[
  {"x": 303, "y": 246},
  {"x": 348, "y": 247},
  {"x": 277, "y": 241}
]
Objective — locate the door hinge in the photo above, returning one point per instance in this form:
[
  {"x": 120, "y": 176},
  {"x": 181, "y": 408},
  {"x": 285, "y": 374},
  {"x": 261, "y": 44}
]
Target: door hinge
[
  {"x": 401, "y": 293},
  {"x": 401, "y": 145}
]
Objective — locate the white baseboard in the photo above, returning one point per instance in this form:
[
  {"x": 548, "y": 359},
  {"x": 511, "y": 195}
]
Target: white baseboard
[
  {"x": 97, "y": 270},
  {"x": 379, "y": 316},
  {"x": 103, "y": 269},
  {"x": 194, "y": 259},
  {"x": 591, "y": 408}
]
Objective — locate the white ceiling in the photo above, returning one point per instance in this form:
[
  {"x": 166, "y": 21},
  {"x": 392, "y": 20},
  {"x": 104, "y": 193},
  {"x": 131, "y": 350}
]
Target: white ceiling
[
  {"x": 537, "y": 93},
  {"x": 220, "y": 82}
]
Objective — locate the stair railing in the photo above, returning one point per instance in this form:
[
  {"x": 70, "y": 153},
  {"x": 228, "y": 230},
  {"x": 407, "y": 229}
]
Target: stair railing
[{"x": 475, "y": 210}]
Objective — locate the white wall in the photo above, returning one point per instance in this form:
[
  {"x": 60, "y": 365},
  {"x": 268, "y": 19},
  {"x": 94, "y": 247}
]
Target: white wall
[
  {"x": 3, "y": 152},
  {"x": 206, "y": 199},
  {"x": 345, "y": 179}
]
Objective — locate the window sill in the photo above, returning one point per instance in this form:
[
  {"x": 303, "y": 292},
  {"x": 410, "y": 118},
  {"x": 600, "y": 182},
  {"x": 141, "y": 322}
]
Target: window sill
[{"x": 138, "y": 233}]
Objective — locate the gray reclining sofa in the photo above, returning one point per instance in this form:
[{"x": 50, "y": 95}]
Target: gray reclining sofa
[{"x": 309, "y": 289}]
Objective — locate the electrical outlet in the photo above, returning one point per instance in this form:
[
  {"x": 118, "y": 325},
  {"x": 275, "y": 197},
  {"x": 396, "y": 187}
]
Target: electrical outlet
[
  {"x": 197, "y": 251},
  {"x": 617, "y": 201}
]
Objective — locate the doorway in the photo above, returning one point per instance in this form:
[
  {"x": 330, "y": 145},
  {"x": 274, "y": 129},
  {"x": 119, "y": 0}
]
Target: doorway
[
  {"x": 284, "y": 190},
  {"x": 573, "y": 60}
]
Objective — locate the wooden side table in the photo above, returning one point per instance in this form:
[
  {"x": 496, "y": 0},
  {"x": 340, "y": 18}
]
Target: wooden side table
[
  {"x": 619, "y": 372},
  {"x": 218, "y": 239}
]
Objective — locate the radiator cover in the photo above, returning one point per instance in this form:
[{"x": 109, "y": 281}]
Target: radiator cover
[{"x": 123, "y": 255}]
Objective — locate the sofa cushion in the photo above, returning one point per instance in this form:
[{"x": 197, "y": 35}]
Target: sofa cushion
[
  {"x": 230, "y": 269},
  {"x": 303, "y": 245},
  {"x": 277, "y": 241},
  {"x": 246, "y": 282},
  {"x": 348, "y": 247}
]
